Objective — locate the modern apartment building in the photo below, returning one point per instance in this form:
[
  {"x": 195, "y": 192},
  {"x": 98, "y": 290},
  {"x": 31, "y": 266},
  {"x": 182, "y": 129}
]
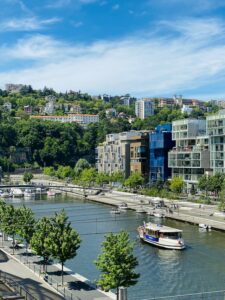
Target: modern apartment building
[
  {"x": 82, "y": 119},
  {"x": 160, "y": 142},
  {"x": 216, "y": 133},
  {"x": 190, "y": 157},
  {"x": 139, "y": 154},
  {"x": 124, "y": 152},
  {"x": 144, "y": 108}
]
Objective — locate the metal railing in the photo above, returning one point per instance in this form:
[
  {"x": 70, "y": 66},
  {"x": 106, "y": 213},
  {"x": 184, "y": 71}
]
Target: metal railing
[
  {"x": 15, "y": 287},
  {"x": 37, "y": 269}
]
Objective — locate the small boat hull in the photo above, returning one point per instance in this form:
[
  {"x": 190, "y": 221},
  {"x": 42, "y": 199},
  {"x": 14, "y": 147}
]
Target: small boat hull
[
  {"x": 161, "y": 236},
  {"x": 158, "y": 244},
  {"x": 51, "y": 193},
  {"x": 115, "y": 211},
  {"x": 204, "y": 226}
]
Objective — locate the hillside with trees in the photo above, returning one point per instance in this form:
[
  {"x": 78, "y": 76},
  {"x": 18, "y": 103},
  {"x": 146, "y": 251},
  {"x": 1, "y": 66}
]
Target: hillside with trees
[{"x": 34, "y": 143}]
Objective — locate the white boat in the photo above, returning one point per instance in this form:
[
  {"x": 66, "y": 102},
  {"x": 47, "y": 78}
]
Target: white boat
[
  {"x": 5, "y": 195},
  {"x": 158, "y": 215},
  {"x": 29, "y": 193},
  {"x": 16, "y": 192},
  {"x": 123, "y": 206},
  {"x": 51, "y": 193},
  {"x": 115, "y": 211},
  {"x": 161, "y": 236},
  {"x": 204, "y": 226}
]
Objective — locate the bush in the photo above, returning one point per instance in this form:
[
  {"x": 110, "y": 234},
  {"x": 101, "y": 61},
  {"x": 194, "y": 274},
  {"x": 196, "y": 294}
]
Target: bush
[
  {"x": 27, "y": 176},
  {"x": 50, "y": 171}
]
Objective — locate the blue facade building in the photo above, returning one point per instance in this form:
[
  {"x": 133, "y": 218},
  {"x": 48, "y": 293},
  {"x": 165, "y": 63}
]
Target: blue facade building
[{"x": 160, "y": 142}]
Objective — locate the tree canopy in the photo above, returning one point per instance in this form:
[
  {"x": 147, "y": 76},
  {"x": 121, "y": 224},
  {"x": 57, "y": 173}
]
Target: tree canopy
[{"x": 117, "y": 262}]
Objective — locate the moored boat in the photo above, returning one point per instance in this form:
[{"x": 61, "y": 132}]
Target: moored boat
[
  {"x": 16, "y": 192},
  {"x": 204, "y": 226},
  {"x": 115, "y": 211},
  {"x": 161, "y": 236},
  {"x": 5, "y": 195},
  {"x": 158, "y": 215},
  {"x": 123, "y": 206},
  {"x": 29, "y": 193},
  {"x": 51, "y": 193}
]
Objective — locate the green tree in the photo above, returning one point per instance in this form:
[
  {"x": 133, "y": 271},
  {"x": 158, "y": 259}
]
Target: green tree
[
  {"x": 216, "y": 183},
  {"x": 176, "y": 184},
  {"x": 80, "y": 166},
  {"x": 27, "y": 176},
  {"x": 117, "y": 262},
  {"x": 87, "y": 176},
  {"x": 203, "y": 184},
  {"x": 64, "y": 172},
  {"x": 101, "y": 178},
  {"x": 221, "y": 205},
  {"x": 26, "y": 223},
  {"x": 64, "y": 239},
  {"x": 117, "y": 177},
  {"x": 40, "y": 241},
  {"x": 50, "y": 171},
  {"x": 10, "y": 222},
  {"x": 135, "y": 180}
]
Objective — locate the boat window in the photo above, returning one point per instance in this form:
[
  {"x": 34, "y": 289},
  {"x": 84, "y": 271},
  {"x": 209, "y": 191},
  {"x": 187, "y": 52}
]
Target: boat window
[
  {"x": 152, "y": 233},
  {"x": 172, "y": 235}
]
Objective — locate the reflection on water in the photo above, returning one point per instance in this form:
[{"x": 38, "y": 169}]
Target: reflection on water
[{"x": 198, "y": 268}]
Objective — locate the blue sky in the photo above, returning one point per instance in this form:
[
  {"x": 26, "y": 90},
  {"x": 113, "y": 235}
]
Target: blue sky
[{"x": 141, "y": 47}]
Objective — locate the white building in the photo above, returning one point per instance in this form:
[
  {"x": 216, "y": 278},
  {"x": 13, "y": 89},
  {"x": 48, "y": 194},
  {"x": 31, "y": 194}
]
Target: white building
[
  {"x": 111, "y": 112},
  {"x": 13, "y": 88},
  {"x": 144, "y": 108},
  {"x": 50, "y": 98},
  {"x": 127, "y": 100},
  {"x": 82, "y": 119},
  {"x": 49, "y": 107},
  {"x": 186, "y": 109},
  {"x": 190, "y": 158},
  {"x": 7, "y": 106}
]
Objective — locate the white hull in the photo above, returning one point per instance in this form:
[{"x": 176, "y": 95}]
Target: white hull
[
  {"x": 161, "y": 236},
  {"x": 28, "y": 195},
  {"x": 51, "y": 194},
  {"x": 158, "y": 215},
  {"x": 5, "y": 195},
  {"x": 115, "y": 211},
  {"x": 16, "y": 192},
  {"x": 160, "y": 245},
  {"x": 204, "y": 226}
]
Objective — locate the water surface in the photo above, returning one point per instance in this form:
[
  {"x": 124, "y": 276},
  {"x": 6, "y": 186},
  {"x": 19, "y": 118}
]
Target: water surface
[{"x": 198, "y": 268}]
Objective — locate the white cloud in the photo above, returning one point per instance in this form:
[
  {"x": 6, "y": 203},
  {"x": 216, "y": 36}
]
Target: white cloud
[
  {"x": 63, "y": 3},
  {"x": 141, "y": 65},
  {"x": 77, "y": 24},
  {"x": 26, "y": 24},
  {"x": 116, "y": 7}
]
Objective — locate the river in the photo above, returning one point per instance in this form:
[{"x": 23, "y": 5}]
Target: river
[{"x": 198, "y": 268}]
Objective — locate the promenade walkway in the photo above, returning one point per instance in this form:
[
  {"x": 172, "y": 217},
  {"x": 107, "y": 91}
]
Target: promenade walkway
[
  {"x": 30, "y": 275},
  {"x": 26, "y": 278}
]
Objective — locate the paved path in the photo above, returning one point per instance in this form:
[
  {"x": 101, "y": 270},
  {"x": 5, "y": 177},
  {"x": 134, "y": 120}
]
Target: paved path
[
  {"x": 76, "y": 287},
  {"x": 188, "y": 211},
  {"x": 25, "y": 277}
]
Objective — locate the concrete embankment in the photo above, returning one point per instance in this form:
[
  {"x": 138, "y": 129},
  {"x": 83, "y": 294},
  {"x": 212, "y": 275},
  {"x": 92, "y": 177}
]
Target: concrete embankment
[
  {"x": 27, "y": 271},
  {"x": 188, "y": 212}
]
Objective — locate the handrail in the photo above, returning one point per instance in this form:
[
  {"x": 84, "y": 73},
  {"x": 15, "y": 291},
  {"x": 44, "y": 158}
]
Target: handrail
[{"x": 15, "y": 286}]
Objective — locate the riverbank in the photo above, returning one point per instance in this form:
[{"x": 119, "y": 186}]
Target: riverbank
[
  {"x": 186, "y": 211},
  {"x": 26, "y": 268},
  {"x": 190, "y": 212}
]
